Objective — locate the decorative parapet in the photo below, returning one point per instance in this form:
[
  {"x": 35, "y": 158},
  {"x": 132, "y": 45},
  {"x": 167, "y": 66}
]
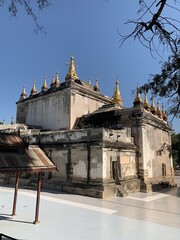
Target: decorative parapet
[
  {"x": 140, "y": 117},
  {"x": 104, "y": 137}
]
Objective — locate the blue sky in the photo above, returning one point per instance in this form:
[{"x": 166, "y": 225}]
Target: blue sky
[{"x": 86, "y": 29}]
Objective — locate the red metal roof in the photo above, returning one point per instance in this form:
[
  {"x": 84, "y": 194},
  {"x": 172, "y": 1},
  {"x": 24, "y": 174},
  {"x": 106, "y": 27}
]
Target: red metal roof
[
  {"x": 15, "y": 156},
  {"x": 10, "y": 140}
]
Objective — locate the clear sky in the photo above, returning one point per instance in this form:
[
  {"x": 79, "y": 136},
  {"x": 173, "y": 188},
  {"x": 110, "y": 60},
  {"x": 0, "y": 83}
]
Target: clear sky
[{"x": 86, "y": 29}]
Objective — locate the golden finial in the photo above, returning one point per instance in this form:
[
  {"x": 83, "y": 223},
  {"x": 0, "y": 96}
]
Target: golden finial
[
  {"x": 137, "y": 100},
  {"x": 44, "y": 87},
  {"x": 158, "y": 111},
  {"x": 117, "y": 96},
  {"x": 96, "y": 87},
  {"x": 164, "y": 116},
  {"x": 72, "y": 71},
  {"x": 145, "y": 104},
  {"x": 33, "y": 91},
  {"x": 89, "y": 81},
  {"x": 153, "y": 108},
  {"x": 57, "y": 81},
  {"x": 53, "y": 81},
  {"x": 23, "y": 94},
  {"x": 12, "y": 121}
]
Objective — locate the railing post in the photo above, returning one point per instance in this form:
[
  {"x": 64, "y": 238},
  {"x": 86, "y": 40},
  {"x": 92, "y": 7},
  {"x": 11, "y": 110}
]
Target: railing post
[
  {"x": 38, "y": 199},
  {"x": 15, "y": 194}
]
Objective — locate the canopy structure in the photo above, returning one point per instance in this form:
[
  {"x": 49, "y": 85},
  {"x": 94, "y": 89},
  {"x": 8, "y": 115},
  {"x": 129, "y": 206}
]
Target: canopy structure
[{"x": 18, "y": 157}]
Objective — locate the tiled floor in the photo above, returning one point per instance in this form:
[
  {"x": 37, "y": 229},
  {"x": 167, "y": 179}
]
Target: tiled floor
[{"x": 65, "y": 216}]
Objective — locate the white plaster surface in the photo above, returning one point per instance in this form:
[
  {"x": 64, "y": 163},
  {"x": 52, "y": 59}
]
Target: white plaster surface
[{"x": 67, "y": 216}]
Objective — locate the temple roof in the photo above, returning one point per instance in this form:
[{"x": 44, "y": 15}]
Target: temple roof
[
  {"x": 85, "y": 84},
  {"x": 57, "y": 86},
  {"x": 106, "y": 108}
]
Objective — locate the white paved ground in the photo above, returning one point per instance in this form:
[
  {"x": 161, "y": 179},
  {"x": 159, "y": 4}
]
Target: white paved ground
[{"x": 65, "y": 216}]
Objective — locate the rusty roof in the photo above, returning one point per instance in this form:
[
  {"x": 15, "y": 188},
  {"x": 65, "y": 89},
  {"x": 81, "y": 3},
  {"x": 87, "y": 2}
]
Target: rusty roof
[
  {"x": 10, "y": 140},
  {"x": 17, "y": 157}
]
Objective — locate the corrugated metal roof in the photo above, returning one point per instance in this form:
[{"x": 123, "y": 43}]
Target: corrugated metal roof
[
  {"x": 31, "y": 159},
  {"x": 10, "y": 139}
]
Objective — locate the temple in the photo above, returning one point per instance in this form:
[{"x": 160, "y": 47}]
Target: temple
[{"x": 101, "y": 147}]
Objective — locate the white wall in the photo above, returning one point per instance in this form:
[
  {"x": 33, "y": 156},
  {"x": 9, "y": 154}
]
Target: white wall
[
  {"x": 48, "y": 111},
  {"x": 82, "y": 104}
]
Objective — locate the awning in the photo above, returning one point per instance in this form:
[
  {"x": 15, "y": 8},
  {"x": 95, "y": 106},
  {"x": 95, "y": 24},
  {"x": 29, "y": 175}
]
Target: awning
[
  {"x": 32, "y": 159},
  {"x": 18, "y": 157}
]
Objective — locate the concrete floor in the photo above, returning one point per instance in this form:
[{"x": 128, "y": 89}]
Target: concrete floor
[{"x": 65, "y": 216}]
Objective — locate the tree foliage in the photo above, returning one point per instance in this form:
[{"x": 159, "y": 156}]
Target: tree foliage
[
  {"x": 152, "y": 28},
  {"x": 176, "y": 149},
  {"x": 167, "y": 84},
  {"x": 13, "y": 6}
]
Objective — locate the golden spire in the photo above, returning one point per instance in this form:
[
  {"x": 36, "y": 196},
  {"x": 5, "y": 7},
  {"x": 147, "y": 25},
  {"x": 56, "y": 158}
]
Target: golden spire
[
  {"x": 145, "y": 104},
  {"x": 164, "y": 116},
  {"x": 53, "y": 81},
  {"x": 72, "y": 71},
  {"x": 12, "y": 121},
  {"x": 158, "y": 111},
  {"x": 34, "y": 91},
  {"x": 137, "y": 100},
  {"x": 57, "y": 81},
  {"x": 96, "y": 87},
  {"x": 117, "y": 96},
  {"x": 153, "y": 108},
  {"x": 44, "y": 87},
  {"x": 89, "y": 81},
  {"x": 23, "y": 94}
]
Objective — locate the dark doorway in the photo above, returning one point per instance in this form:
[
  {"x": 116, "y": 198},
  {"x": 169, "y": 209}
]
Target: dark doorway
[{"x": 115, "y": 172}]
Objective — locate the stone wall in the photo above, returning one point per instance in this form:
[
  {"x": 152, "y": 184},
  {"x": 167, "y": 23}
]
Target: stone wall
[
  {"x": 152, "y": 136},
  {"x": 95, "y": 159}
]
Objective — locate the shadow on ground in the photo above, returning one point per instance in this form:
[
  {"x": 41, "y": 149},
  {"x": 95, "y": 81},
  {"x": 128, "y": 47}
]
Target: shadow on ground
[
  {"x": 5, "y": 217},
  {"x": 171, "y": 191}
]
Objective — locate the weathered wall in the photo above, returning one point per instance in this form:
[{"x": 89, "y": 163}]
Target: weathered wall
[
  {"x": 119, "y": 164},
  {"x": 76, "y": 153},
  {"x": 87, "y": 155},
  {"x": 156, "y": 151},
  {"x": 128, "y": 164},
  {"x": 79, "y": 162},
  {"x": 21, "y": 112},
  {"x": 47, "y": 111},
  {"x": 57, "y": 109},
  {"x": 81, "y": 104},
  {"x": 60, "y": 159},
  {"x": 153, "y": 139}
]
